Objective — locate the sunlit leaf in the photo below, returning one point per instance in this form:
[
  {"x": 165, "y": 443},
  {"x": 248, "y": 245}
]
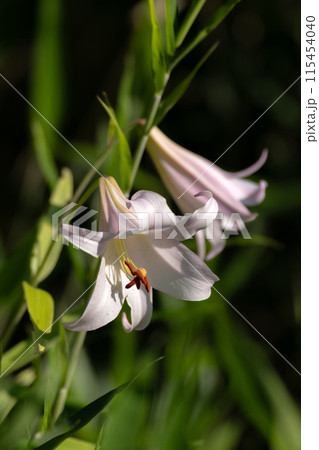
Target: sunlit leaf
[
  {"x": 42, "y": 263},
  {"x": 7, "y": 402},
  {"x": 21, "y": 354},
  {"x": 63, "y": 191},
  {"x": 40, "y": 306},
  {"x": 158, "y": 58},
  {"x": 79, "y": 419},
  {"x": 190, "y": 17},
  {"x": 177, "y": 93},
  {"x": 76, "y": 444}
]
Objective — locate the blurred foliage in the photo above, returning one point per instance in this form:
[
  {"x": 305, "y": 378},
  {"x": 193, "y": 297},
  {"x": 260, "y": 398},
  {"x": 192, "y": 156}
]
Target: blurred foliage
[{"x": 219, "y": 386}]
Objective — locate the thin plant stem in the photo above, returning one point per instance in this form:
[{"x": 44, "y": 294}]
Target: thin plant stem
[
  {"x": 143, "y": 140},
  {"x": 63, "y": 391}
]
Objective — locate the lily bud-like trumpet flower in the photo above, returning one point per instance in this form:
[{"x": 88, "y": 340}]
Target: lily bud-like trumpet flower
[
  {"x": 139, "y": 245},
  {"x": 185, "y": 173}
]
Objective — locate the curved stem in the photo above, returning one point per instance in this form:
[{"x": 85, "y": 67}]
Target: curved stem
[{"x": 143, "y": 140}]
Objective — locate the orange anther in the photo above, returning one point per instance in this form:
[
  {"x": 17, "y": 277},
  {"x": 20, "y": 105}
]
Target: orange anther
[{"x": 139, "y": 277}]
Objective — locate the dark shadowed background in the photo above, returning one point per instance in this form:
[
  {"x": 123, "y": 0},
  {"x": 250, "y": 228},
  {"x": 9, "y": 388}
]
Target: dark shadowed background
[{"x": 220, "y": 385}]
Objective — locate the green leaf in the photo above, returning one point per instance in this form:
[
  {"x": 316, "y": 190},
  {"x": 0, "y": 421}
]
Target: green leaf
[
  {"x": 7, "y": 402},
  {"x": 76, "y": 444},
  {"x": 122, "y": 162},
  {"x": 41, "y": 264},
  {"x": 158, "y": 59},
  {"x": 190, "y": 18},
  {"x": 79, "y": 419},
  {"x": 286, "y": 430},
  {"x": 40, "y": 306},
  {"x": 169, "y": 101},
  {"x": 47, "y": 66},
  {"x": 210, "y": 26},
  {"x": 21, "y": 354},
  {"x": 43, "y": 153},
  {"x": 171, "y": 10},
  {"x": 63, "y": 191},
  {"x": 125, "y": 100}
]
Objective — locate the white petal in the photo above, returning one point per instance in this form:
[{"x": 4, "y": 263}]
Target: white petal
[
  {"x": 107, "y": 298},
  {"x": 92, "y": 242},
  {"x": 201, "y": 243},
  {"x": 141, "y": 306},
  {"x": 199, "y": 220},
  {"x": 171, "y": 267},
  {"x": 216, "y": 241},
  {"x": 112, "y": 202},
  {"x": 253, "y": 168},
  {"x": 248, "y": 192},
  {"x": 160, "y": 220}
]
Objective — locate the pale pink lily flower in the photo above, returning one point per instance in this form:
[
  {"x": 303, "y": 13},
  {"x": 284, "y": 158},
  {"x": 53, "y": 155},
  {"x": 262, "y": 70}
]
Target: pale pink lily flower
[
  {"x": 144, "y": 254},
  {"x": 185, "y": 173}
]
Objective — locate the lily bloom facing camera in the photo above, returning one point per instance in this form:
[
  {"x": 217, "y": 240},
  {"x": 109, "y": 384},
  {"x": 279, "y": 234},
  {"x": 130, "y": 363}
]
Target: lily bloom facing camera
[
  {"x": 185, "y": 173},
  {"x": 140, "y": 249}
]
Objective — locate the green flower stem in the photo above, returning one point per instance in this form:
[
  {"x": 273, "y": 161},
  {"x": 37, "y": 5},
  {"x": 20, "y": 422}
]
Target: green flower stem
[
  {"x": 143, "y": 140},
  {"x": 63, "y": 391}
]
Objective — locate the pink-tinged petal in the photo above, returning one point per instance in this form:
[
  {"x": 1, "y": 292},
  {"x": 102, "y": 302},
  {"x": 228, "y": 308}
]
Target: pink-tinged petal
[
  {"x": 201, "y": 244},
  {"x": 152, "y": 209},
  {"x": 216, "y": 240},
  {"x": 171, "y": 267},
  {"x": 91, "y": 242},
  {"x": 201, "y": 217},
  {"x": 113, "y": 202},
  {"x": 185, "y": 174},
  {"x": 107, "y": 298},
  {"x": 253, "y": 168},
  {"x": 248, "y": 192},
  {"x": 150, "y": 202},
  {"x": 141, "y": 306},
  {"x": 189, "y": 224},
  {"x": 258, "y": 195}
]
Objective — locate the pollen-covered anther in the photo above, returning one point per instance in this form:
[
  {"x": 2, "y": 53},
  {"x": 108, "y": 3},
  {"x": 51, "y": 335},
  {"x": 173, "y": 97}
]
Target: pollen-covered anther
[{"x": 139, "y": 277}]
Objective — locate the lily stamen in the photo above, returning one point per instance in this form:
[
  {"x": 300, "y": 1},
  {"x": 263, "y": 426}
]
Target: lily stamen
[{"x": 139, "y": 277}]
